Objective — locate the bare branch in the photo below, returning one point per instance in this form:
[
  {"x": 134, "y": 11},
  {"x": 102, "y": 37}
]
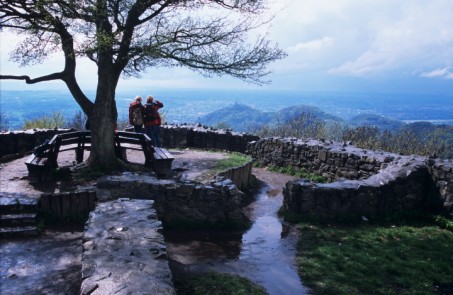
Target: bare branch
[{"x": 28, "y": 80}]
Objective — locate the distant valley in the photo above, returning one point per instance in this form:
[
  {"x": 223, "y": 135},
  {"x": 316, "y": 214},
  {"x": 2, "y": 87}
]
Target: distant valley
[{"x": 244, "y": 118}]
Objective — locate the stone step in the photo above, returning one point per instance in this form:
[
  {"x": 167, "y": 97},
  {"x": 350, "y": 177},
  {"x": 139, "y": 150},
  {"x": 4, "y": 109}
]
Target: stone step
[
  {"x": 23, "y": 231},
  {"x": 15, "y": 220},
  {"x": 12, "y": 204}
]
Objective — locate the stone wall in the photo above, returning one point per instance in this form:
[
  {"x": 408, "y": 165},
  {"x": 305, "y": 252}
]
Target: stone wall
[
  {"x": 202, "y": 137},
  {"x": 240, "y": 176},
  {"x": 393, "y": 192},
  {"x": 332, "y": 160},
  {"x": 368, "y": 183},
  {"x": 180, "y": 203},
  {"x": 21, "y": 142},
  {"x": 173, "y": 136},
  {"x": 441, "y": 172}
]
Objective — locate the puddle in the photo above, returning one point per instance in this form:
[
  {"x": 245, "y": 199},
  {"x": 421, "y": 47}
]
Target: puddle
[{"x": 264, "y": 254}]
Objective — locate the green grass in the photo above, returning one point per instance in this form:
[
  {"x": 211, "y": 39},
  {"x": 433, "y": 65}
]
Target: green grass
[
  {"x": 299, "y": 172},
  {"x": 234, "y": 160},
  {"x": 372, "y": 259},
  {"x": 216, "y": 284}
]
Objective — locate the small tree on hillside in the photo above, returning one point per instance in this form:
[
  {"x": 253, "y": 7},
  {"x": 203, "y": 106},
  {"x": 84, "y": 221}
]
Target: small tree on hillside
[{"x": 124, "y": 37}]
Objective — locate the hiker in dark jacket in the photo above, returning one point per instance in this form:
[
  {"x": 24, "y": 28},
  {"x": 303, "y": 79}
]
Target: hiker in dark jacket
[
  {"x": 152, "y": 119},
  {"x": 136, "y": 110}
]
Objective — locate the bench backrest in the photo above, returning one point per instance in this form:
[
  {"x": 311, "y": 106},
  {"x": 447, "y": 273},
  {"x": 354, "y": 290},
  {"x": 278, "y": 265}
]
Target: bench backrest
[{"x": 83, "y": 141}]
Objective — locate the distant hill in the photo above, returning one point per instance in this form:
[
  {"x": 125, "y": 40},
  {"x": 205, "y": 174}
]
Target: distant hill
[
  {"x": 241, "y": 117},
  {"x": 293, "y": 112},
  {"x": 381, "y": 122}
]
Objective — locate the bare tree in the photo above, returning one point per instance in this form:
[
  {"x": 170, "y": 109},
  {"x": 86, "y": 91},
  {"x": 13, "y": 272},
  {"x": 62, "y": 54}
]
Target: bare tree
[{"x": 124, "y": 37}]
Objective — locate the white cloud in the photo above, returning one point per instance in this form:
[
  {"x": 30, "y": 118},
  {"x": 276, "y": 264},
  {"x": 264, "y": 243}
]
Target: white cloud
[
  {"x": 340, "y": 39},
  {"x": 444, "y": 73},
  {"x": 421, "y": 35},
  {"x": 312, "y": 45}
]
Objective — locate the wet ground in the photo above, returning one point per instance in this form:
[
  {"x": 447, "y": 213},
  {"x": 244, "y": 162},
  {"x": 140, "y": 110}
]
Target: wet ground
[
  {"x": 51, "y": 263},
  {"x": 264, "y": 253},
  {"x": 46, "y": 264}
]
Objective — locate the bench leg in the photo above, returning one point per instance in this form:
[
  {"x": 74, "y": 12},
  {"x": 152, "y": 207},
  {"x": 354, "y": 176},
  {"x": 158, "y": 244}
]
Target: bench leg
[
  {"x": 79, "y": 155},
  {"x": 163, "y": 167},
  {"x": 41, "y": 172}
]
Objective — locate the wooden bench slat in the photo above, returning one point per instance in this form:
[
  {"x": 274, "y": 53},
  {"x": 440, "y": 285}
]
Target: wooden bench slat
[
  {"x": 75, "y": 140},
  {"x": 162, "y": 153},
  {"x": 87, "y": 147},
  {"x": 167, "y": 153},
  {"x": 158, "y": 154}
]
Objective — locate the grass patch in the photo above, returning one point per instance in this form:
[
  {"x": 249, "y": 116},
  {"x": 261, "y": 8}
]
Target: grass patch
[
  {"x": 234, "y": 160},
  {"x": 299, "y": 172},
  {"x": 376, "y": 259},
  {"x": 216, "y": 284}
]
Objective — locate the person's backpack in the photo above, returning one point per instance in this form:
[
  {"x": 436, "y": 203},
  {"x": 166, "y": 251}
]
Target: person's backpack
[
  {"x": 137, "y": 117},
  {"x": 149, "y": 113}
]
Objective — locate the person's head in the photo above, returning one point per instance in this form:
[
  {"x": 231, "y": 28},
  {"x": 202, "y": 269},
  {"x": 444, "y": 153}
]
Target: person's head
[
  {"x": 149, "y": 99},
  {"x": 138, "y": 98}
]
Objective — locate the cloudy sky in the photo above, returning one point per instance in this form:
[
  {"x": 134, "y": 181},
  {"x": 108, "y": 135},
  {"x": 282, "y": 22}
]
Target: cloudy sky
[{"x": 403, "y": 46}]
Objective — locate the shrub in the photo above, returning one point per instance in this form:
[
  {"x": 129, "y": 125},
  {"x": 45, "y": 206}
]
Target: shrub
[
  {"x": 56, "y": 120},
  {"x": 77, "y": 122}
]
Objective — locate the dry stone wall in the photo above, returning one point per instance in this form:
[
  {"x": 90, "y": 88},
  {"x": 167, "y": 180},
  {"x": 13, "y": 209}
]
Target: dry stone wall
[
  {"x": 367, "y": 183},
  {"x": 180, "y": 203},
  {"x": 332, "y": 160},
  {"x": 337, "y": 161},
  {"x": 441, "y": 172},
  {"x": 203, "y": 137},
  {"x": 21, "y": 142}
]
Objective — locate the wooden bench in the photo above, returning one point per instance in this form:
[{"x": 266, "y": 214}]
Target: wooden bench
[
  {"x": 39, "y": 168},
  {"x": 139, "y": 142},
  {"x": 43, "y": 162},
  {"x": 162, "y": 162}
]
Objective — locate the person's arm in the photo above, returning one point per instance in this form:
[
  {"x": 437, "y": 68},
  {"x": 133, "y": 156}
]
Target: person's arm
[{"x": 159, "y": 104}]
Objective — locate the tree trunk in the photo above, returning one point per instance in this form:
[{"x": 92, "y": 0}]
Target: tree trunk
[{"x": 102, "y": 124}]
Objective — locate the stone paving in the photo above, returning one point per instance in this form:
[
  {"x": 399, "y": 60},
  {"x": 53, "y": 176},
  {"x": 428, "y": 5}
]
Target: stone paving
[
  {"x": 124, "y": 251},
  {"x": 51, "y": 263}
]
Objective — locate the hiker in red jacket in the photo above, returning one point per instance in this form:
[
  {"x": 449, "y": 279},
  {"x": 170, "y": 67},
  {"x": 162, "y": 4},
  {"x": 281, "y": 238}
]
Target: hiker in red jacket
[
  {"x": 136, "y": 110},
  {"x": 152, "y": 119}
]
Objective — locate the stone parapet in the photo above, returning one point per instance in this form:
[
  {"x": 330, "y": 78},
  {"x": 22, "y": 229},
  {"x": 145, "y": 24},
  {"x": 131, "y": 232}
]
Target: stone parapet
[
  {"x": 180, "y": 203},
  {"x": 240, "y": 176},
  {"x": 397, "y": 190},
  {"x": 332, "y": 160},
  {"x": 203, "y": 137},
  {"x": 441, "y": 172},
  {"x": 368, "y": 183},
  {"x": 21, "y": 142},
  {"x": 124, "y": 250}
]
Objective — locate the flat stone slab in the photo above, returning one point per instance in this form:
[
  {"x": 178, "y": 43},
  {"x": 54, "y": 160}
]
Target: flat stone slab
[{"x": 124, "y": 250}]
